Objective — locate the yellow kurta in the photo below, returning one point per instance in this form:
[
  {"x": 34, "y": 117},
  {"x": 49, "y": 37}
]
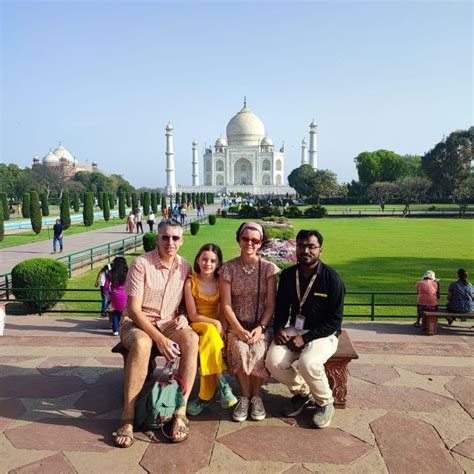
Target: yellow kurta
[{"x": 210, "y": 342}]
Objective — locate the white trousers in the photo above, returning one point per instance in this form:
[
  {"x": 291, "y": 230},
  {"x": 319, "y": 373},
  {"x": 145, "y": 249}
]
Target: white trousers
[{"x": 309, "y": 375}]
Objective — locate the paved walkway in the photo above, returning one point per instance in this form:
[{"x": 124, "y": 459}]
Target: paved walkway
[
  {"x": 410, "y": 409},
  {"x": 10, "y": 256}
]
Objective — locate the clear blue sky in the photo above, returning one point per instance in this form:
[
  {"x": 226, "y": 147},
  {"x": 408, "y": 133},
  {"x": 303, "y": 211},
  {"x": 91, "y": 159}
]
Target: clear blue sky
[{"x": 104, "y": 78}]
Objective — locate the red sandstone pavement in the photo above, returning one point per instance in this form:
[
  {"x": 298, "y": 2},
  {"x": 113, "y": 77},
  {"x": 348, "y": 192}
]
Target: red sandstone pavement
[{"x": 410, "y": 409}]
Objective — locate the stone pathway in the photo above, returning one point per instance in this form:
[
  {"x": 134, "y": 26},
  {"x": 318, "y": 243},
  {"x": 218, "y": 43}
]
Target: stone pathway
[{"x": 410, "y": 409}]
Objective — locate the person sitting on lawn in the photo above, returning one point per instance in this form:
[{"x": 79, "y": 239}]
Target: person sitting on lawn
[
  {"x": 460, "y": 296},
  {"x": 201, "y": 292},
  {"x": 427, "y": 298},
  {"x": 154, "y": 288}
]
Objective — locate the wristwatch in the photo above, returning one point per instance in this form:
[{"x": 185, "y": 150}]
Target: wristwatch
[{"x": 263, "y": 327}]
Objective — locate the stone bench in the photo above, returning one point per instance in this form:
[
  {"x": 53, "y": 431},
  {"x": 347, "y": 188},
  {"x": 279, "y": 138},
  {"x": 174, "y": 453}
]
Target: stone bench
[
  {"x": 430, "y": 319},
  {"x": 336, "y": 367}
]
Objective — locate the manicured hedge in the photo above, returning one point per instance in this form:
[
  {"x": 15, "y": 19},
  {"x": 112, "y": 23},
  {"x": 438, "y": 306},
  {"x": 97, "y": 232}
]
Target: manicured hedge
[
  {"x": 194, "y": 227},
  {"x": 65, "y": 213},
  {"x": 121, "y": 209},
  {"x": 212, "y": 219},
  {"x": 106, "y": 208},
  {"x": 4, "y": 206},
  {"x": 149, "y": 241},
  {"x": 44, "y": 204},
  {"x": 315, "y": 211},
  {"x": 88, "y": 212},
  {"x": 35, "y": 213},
  {"x": 25, "y": 207},
  {"x": 39, "y": 273}
]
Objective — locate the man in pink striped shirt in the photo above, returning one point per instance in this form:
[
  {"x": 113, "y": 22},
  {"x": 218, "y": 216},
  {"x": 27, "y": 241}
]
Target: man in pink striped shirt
[{"x": 154, "y": 288}]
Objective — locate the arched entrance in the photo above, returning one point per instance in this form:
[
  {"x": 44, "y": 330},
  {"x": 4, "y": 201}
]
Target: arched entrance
[{"x": 242, "y": 172}]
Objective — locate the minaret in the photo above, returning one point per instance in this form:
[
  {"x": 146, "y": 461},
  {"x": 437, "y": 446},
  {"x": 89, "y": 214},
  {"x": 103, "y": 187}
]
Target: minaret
[
  {"x": 313, "y": 148},
  {"x": 304, "y": 156},
  {"x": 170, "y": 172},
  {"x": 195, "y": 174}
]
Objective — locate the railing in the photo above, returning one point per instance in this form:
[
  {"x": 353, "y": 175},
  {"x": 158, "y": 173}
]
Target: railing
[
  {"x": 369, "y": 302},
  {"x": 88, "y": 257}
]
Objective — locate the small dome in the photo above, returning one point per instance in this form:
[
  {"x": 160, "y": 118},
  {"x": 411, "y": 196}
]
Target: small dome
[
  {"x": 195, "y": 142},
  {"x": 36, "y": 159},
  {"x": 221, "y": 142},
  {"x": 62, "y": 152},
  {"x": 169, "y": 127},
  {"x": 304, "y": 141},
  {"x": 245, "y": 129},
  {"x": 312, "y": 124},
  {"x": 50, "y": 159},
  {"x": 267, "y": 141},
  {"x": 94, "y": 164}
]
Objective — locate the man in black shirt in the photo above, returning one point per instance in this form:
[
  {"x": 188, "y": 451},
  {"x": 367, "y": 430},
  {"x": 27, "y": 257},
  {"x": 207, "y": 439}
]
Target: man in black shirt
[
  {"x": 311, "y": 296},
  {"x": 58, "y": 235}
]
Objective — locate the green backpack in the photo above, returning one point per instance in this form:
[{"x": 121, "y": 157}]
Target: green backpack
[{"x": 159, "y": 399}]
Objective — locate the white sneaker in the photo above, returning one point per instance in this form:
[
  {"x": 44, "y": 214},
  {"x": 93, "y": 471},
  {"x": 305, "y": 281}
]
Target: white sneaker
[
  {"x": 258, "y": 412},
  {"x": 115, "y": 333},
  {"x": 241, "y": 411}
]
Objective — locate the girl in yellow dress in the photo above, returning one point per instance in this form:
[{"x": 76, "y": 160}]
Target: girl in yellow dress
[{"x": 202, "y": 298}]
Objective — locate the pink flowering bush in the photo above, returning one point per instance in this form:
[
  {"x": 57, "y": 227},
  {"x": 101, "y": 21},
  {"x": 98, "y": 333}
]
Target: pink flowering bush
[
  {"x": 279, "y": 229},
  {"x": 279, "y": 251}
]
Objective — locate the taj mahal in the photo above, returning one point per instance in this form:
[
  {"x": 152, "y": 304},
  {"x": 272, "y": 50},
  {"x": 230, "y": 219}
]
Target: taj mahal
[{"x": 245, "y": 161}]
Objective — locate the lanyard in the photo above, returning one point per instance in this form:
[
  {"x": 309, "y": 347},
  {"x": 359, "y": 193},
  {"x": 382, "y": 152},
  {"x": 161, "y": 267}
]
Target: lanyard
[{"x": 308, "y": 289}]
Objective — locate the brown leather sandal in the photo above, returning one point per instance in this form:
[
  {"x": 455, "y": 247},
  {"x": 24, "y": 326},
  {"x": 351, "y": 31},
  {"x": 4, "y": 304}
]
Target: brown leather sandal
[
  {"x": 179, "y": 430},
  {"x": 128, "y": 434}
]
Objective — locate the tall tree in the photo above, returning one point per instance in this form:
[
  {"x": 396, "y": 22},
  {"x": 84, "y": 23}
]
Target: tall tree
[
  {"x": 106, "y": 208},
  {"x": 163, "y": 201},
  {"x": 2, "y": 227},
  {"x": 325, "y": 184},
  {"x": 121, "y": 209},
  {"x": 11, "y": 176},
  {"x": 153, "y": 204},
  {"x": 4, "y": 206},
  {"x": 76, "y": 204},
  {"x": 448, "y": 163},
  {"x": 44, "y": 204},
  {"x": 35, "y": 213},
  {"x": 25, "y": 207},
  {"x": 412, "y": 189},
  {"x": 302, "y": 180},
  {"x": 100, "y": 200},
  {"x": 88, "y": 211},
  {"x": 111, "y": 197},
  {"x": 381, "y": 192},
  {"x": 65, "y": 213},
  {"x": 146, "y": 203}
]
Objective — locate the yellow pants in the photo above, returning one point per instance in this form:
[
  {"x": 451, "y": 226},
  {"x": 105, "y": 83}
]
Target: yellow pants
[{"x": 210, "y": 358}]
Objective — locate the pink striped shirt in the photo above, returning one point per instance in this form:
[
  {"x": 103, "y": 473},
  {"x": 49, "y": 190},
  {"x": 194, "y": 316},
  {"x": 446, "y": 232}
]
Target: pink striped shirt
[{"x": 160, "y": 287}]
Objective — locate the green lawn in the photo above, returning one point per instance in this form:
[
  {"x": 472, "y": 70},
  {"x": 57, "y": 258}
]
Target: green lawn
[
  {"x": 29, "y": 237},
  {"x": 370, "y": 254}
]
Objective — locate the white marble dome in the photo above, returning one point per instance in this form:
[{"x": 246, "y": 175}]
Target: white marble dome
[
  {"x": 245, "y": 129},
  {"x": 267, "y": 141},
  {"x": 50, "y": 159},
  {"x": 62, "y": 152},
  {"x": 221, "y": 142}
]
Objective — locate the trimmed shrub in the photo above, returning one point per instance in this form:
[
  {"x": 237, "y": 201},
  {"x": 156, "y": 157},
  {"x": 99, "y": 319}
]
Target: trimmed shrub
[
  {"x": 44, "y": 204},
  {"x": 42, "y": 273},
  {"x": 146, "y": 203},
  {"x": 163, "y": 202},
  {"x": 316, "y": 212},
  {"x": 128, "y": 199},
  {"x": 4, "y": 207},
  {"x": 106, "y": 208},
  {"x": 177, "y": 197},
  {"x": 194, "y": 226},
  {"x": 111, "y": 200},
  {"x": 134, "y": 201},
  {"x": 149, "y": 241},
  {"x": 88, "y": 211},
  {"x": 292, "y": 211},
  {"x": 100, "y": 200},
  {"x": 224, "y": 213},
  {"x": 65, "y": 214},
  {"x": 212, "y": 219},
  {"x": 247, "y": 211},
  {"x": 2, "y": 227},
  {"x": 26, "y": 205},
  {"x": 183, "y": 197},
  {"x": 76, "y": 203},
  {"x": 35, "y": 213},
  {"x": 121, "y": 209},
  {"x": 153, "y": 204},
  {"x": 279, "y": 232}
]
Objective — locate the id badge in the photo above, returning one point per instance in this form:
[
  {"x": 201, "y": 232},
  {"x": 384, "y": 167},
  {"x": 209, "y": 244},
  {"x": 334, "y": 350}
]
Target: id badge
[{"x": 299, "y": 322}]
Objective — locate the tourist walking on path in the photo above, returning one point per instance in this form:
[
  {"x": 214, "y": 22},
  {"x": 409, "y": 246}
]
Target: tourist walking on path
[
  {"x": 182, "y": 213},
  {"x": 427, "y": 291},
  {"x": 58, "y": 235},
  {"x": 460, "y": 296},
  {"x": 131, "y": 222},
  {"x": 311, "y": 296},
  {"x": 154, "y": 288},
  {"x": 115, "y": 289},
  {"x": 151, "y": 221},
  {"x": 138, "y": 219},
  {"x": 247, "y": 286},
  {"x": 202, "y": 296}
]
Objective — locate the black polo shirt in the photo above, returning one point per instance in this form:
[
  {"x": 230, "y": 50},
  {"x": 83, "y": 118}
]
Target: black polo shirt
[{"x": 323, "y": 308}]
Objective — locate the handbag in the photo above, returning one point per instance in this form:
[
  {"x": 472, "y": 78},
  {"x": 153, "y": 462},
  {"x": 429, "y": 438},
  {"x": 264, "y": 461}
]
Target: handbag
[{"x": 160, "y": 398}]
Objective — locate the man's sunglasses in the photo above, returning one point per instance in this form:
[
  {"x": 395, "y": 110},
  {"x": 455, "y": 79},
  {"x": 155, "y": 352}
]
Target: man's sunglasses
[
  {"x": 253, "y": 241},
  {"x": 167, "y": 238}
]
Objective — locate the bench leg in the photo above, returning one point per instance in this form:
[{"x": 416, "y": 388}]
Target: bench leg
[
  {"x": 337, "y": 372},
  {"x": 430, "y": 325}
]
